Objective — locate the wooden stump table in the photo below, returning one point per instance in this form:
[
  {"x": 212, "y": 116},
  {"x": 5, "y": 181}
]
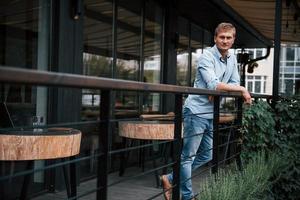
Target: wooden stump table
[
  {"x": 41, "y": 144},
  {"x": 147, "y": 130}
]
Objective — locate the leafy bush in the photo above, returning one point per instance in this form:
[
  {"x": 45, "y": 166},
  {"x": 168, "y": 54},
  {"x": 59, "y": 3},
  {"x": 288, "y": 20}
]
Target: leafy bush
[
  {"x": 258, "y": 130},
  {"x": 286, "y": 183},
  {"x": 251, "y": 183},
  {"x": 278, "y": 130}
]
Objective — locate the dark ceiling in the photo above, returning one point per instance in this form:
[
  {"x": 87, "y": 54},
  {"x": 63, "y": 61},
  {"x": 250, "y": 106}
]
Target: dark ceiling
[{"x": 208, "y": 14}]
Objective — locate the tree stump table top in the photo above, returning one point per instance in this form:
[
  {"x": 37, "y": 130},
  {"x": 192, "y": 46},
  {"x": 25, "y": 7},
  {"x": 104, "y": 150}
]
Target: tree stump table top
[
  {"x": 48, "y": 143},
  {"x": 147, "y": 130},
  {"x": 151, "y": 129}
]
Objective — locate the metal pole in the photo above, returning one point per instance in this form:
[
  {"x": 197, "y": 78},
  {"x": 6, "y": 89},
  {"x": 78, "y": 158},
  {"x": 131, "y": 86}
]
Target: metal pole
[
  {"x": 277, "y": 43},
  {"x": 237, "y": 134},
  {"x": 177, "y": 146},
  {"x": 216, "y": 134},
  {"x": 102, "y": 171}
]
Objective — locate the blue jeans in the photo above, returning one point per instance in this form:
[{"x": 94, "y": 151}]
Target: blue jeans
[{"x": 196, "y": 150}]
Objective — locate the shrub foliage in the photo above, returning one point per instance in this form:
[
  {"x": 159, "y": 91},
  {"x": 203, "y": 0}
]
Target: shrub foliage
[{"x": 276, "y": 130}]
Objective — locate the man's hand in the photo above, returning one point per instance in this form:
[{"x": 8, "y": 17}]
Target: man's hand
[{"x": 247, "y": 97}]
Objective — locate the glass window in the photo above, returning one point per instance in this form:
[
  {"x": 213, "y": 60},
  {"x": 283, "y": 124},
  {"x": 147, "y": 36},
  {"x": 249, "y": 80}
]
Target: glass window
[
  {"x": 259, "y": 53},
  {"x": 207, "y": 39},
  {"x": 128, "y": 41},
  {"x": 250, "y": 86},
  {"x": 297, "y": 49},
  {"x": 196, "y": 48},
  {"x": 289, "y": 87},
  {"x": 24, "y": 43},
  {"x": 251, "y": 54},
  {"x": 152, "y": 50},
  {"x": 257, "y": 87},
  {"x": 288, "y": 75},
  {"x": 97, "y": 57},
  {"x": 152, "y": 43},
  {"x": 289, "y": 70},
  {"x": 182, "y": 68},
  {"x": 290, "y": 63},
  {"x": 128, "y": 52},
  {"x": 290, "y": 53},
  {"x": 182, "y": 73}
]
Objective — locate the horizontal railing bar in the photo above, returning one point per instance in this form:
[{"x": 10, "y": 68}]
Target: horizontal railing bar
[
  {"x": 46, "y": 78},
  {"x": 264, "y": 96}
]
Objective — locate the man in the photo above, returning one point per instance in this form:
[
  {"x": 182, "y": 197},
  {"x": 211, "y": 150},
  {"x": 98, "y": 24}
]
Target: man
[{"x": 216, "y": 70}]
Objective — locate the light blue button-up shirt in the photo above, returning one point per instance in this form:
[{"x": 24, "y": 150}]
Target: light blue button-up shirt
[{"x": 211, "y": 70}]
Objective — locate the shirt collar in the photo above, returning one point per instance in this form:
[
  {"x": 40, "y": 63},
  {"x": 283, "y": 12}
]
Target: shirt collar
[{"x": 219, "y": 54}]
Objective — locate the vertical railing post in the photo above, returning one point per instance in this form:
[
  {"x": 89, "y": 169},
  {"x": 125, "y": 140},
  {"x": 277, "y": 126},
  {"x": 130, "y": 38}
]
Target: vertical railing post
[
  {"x": 237, "y": 136},
  {"x": 102, "y": 171},
  {"x": 215, "y": 160},
  {"x": 177, "y": 146}
]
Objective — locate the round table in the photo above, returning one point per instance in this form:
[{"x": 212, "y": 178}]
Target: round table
[{"x": 40, "y": 144}]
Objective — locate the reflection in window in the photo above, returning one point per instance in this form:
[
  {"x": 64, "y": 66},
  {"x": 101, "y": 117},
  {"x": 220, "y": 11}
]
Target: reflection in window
[
  {"x": 182, "y": 68},
  {"x": 152, "y": 50},
  {"x": 128, "y": 41},
  {"x": 196, "y": 48},
  {"x": 182, "y": 72},
  {"x": 97, "y": 56},
  {"x": 190, "y": 44},
  {"x": 97, "y": 59},
  {"x": 128, "y": 51},
  {"x": 152, "y": 42}
]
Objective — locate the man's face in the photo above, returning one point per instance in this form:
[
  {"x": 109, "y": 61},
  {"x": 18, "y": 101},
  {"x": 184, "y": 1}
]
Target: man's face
[{"x": 224, "y": 40}]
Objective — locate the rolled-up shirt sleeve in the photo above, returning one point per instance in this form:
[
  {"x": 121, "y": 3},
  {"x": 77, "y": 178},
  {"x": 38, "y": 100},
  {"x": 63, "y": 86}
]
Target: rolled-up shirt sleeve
[{"x": 206, "y": 70}]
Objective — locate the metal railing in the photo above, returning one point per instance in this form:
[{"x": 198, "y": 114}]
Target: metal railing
[{"x": 10, "y": 75}]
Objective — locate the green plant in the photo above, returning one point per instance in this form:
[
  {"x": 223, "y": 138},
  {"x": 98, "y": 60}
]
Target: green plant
[
  {"x": 286, "y": 183},
  {"x": 276, "y": 130},
  {"x": 251, "y": 183},
  {"x": 258, "y": 129}
]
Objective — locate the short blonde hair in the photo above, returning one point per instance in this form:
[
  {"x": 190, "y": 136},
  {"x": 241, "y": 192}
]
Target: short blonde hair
[{"x": 224, "y": 26}]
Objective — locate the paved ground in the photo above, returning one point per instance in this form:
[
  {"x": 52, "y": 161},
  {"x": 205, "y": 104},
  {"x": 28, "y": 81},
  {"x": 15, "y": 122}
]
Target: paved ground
[{"x": 143, "y": 187}]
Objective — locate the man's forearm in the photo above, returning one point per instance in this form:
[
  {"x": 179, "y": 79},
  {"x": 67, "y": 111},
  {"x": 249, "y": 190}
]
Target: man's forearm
[
  {"x": 235, "y": 88},
  {"x": 230, "y": 88}
]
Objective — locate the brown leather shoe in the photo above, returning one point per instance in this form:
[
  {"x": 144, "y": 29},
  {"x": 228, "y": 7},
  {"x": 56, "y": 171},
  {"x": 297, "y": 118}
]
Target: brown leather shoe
[{"x": 167, "y": 187}]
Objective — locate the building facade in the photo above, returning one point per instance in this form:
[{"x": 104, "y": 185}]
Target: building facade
[{"x": 147, "y": 41}]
